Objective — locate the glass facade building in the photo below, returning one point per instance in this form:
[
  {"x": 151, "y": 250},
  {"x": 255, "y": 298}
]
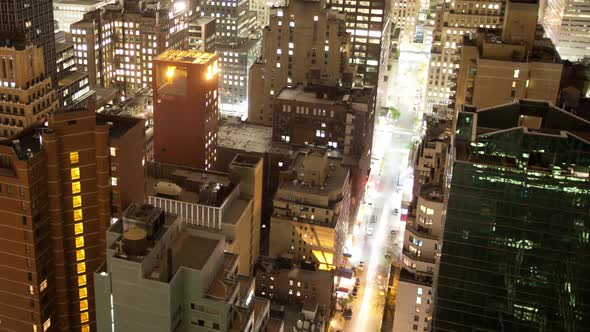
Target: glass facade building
[{"x": 517, "y": 234}]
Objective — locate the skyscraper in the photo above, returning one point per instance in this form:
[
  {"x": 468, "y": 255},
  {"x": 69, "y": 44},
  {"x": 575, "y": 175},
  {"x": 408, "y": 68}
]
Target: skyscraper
[
  {"x": 59, "y": 174},
  {"x": 566, "y": 23},
  {"x": 35, "y": 19},
  {"x": 186, "y": 108},
  {"x": 517, "y": 231}
]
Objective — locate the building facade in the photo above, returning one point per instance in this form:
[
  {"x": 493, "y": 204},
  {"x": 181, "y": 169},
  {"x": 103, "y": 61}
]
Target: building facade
[
  {"x": 72, "y": 85},
  {"x": 67, "y": 12},
  {"x": 27, "y": 96},
  {"x": 162, "y": 275},
  {"x": 366, "y": 22},
  {"x": 517, "y": 222},
  {"x": 233, "y": 19},
  {"x": 304, "y": 43},
  {"x": 311, "y": 211},
  {"x": 566, "y": 23},
  {"x": 116, "y": 44},
  {"x": 201, "y": 34},
  {"x": 185, "y": 86},
  {"x": 35, "y": 19}
]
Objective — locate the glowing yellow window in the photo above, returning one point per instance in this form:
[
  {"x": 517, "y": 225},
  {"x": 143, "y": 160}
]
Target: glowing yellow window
[
  {"x": 81, "y": 267},
  {"x": 74, "y": 157},
  {"x": 83, "y": 305},
  {"x": 85, "y": 328},
  {"x": 76, "y": 187},
  {"x": 80, "y": 255},
  {"x": 78, "y": 228},
  {"x": 78, "y": 215},
  {"x": 75, "y": 172},
  {"x": 81, "y": 281},
  {"x": 77, "y": 201},
  {"x": 83, "y": 293},
  {"x": 84, "y": 317},
  {"x": 79, "y": 241}
]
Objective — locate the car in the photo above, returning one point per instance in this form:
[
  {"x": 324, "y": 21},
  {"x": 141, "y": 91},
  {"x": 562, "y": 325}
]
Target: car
[
  {"x": 347, "y": 314},
  {"x": 373, "y": 219},
  {"x": 395, "y": 212},
  {"x": 361, "y": 263},
  {"x": 357, "y": 282},
  {"x": 369, "y": 231},
  {"x": 393, "y": 232},
  {"x": 354, "y": 293}
]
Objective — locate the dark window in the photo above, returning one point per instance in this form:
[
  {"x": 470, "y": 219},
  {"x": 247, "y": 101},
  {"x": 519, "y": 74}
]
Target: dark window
[
  {"x": 201, "y": 322},
  {"x": 216, "y": 326},
  {"x": 72, "y": 122}
]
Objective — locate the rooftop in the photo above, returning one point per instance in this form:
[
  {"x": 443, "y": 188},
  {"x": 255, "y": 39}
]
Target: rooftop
[
  {"x": 243, "y": 45},
  {"x": 118, "y": 125},
  {"x": 328, "y": 95},
  {"x": 188, "y": 57},
  {"x": 223, "y": 286},
  {"x": 432, "y": 193},
  {"x": 71, "y": 78},
  {"x": 11, "y": 39},
  {"x": 81, "y": 2},
  {"x": 235, "y": 134}
]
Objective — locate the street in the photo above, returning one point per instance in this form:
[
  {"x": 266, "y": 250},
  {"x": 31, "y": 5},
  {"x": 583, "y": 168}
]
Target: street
[{"x": 372, "y": 239}]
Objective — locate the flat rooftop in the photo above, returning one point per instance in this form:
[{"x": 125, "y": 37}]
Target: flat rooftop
[
  {"x": 238, "y": 135},
  {"x": 189, "y": 57},
  {"x": 325, "y": 95},
  {"x": 222, "y": 288},
  {"x": 81, "y": 2},
  {"x": 71, "y": 78},
  {"x": 118, "y": 125}
]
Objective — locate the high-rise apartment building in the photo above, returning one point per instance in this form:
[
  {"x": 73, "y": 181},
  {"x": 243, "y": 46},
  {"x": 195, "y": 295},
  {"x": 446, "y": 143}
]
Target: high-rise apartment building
[
  {"x": 453, "y": 21},
  {"x": 304, "y": 43},
  {"x": 311, "y": 210},
  {"x": 116, "y": 44},
  {"x": 227, "y": 203},
  {"x": 233, "y": 19},
  {"x": 201, "y": 34},
  {"x": 35, "y": 19},
  {"x": 234, "y": 61},
  {"x": 67, "y": 12},
  {"x": 26, "y": 94},
  {"x": 517, "y": 225},
  {"x": 262, "y": 8},
  {"x": 72, "y": 85},
  {"x": 365, "y": 21},
  {"x": 566, "y": 23},
  {"x": 163, "y": 275},
  {"x": 186, "y": 108},
  {"x": 60, "y": 175},
  {"x": 499, "y": 66},
  {"x": 404, "y": 14}
]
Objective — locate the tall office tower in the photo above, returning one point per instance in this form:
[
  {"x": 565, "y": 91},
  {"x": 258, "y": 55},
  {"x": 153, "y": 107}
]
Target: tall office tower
[
  {"x": 404, "y": 14},
  {"x": 35, "y": 19},
  {"x": 566, "y": 23},
  {"x": 226, "y": 203},
  {"x": 233, "y": 19},
  {"x": 162, "y": 275},
  {"x": 116, "y": 44},
  {"x": 72, "y": 85},
  {"x": 365, "y": 21},
  {"x": 60, "y": 175},
  {"x": 67, "y": 12},
  {"x": 126, "y": 150},
  {"x": 235, "y": 59},
  {"x": 498, "y": 66},
  {"x": 514, "y": 256},
  {"x": 185, "y": 108},
  {"x": 304, "y": 43},
  {"x": 263, "y": 9},
  {"x": 201, "y": 34},
  {"x": 453, "y": 21},
  {"x": 423, "y": 233},
  {"x": 311, "y": 210},
  {"x": 26, "y": 92}
]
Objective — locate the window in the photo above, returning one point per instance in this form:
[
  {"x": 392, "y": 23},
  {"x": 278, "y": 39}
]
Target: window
[
  {"x": 77, "y": 201},
  {"x": 43, "y": 285},
  {"x": 78, "y": 228},
  {"x": 114, "y": 181},
  {"x": 75, "y": 173},
  {"x": 47, "y": 324},
  {"x": 290, "y": 292},
  {"x": 113, "y": 151},
  {"x": 83, "y": 293},
  {"x": 85, "y": 328},
  {"x": 415, "y": 327},
  {"x": 516, "y": 73},
  {"x": 290, "y": 282},
  {"x": 419, "y": 291},
  {"x": 83, "y": 305},
  {"x": 79, "y": 241},
  {"x": 80, "y": 255},
  {"x": 418, "y": 300},
  {"x": 84, "y": 317},
  {"x": 78, "y": 215},
  {"x": 201, "y": 322},
  {"x": 216, "y": 326},
  {"x": 76, "y": 187},
  {"x": 81, "y": 267},
  {"x": 81, "y": 280},
  {"x": 74, "y": 159}
]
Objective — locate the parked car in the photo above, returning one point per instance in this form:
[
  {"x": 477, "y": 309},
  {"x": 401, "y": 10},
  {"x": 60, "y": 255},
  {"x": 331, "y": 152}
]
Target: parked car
[
  {"x": 370, "y": 231},
  {"x": 394, "y": 232},
  {"x": 395, "y": 212},
  {"x": 347, "y": 313}
]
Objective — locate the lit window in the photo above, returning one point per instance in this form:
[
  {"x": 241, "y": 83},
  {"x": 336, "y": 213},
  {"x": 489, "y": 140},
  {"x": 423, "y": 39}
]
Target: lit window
[
  {"x": 315, "y": 18},
  {"x": 74, "y": 157},
  {"x": 83, "y": 293},
  {"x": 516, "y": 73},
  {"x": 80, "y": 255},
  {"x": 75, "y": 187},
  {"x": 290, "y": 282},
  {"x": 113, "y": 151},
  {"x": 290, "y": 292},
  {"x": 418, "y": 300},
  {"x": 76, "y": 201},
  {"x": 81, "y": 267},
  {"x": 78, "y": 215},
  {"x": 419, "y": 290},
  {"x": 47, "y": 324},
  {"x": 83, "y": 305},
  {"x": 84, "y": 317},
  {"x": 85, "y": 328},
  {"x": 43, "y": 285},
  {"x": 79, "y": 228},
  {"x": 298, "y": 293},
  {"x": 81, "y": 281},
  {"x": 75, "y": 172},
  {"x": 31, "y": 290},
  {"x": 113, "y": 181},
  {"x": 79, "y": 241}
]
